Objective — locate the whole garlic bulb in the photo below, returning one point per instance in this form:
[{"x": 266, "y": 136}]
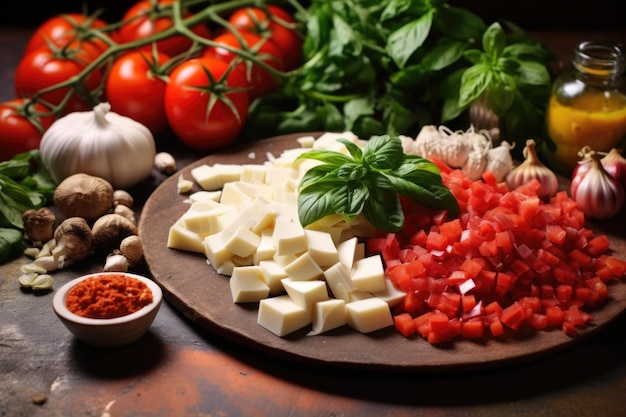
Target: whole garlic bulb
[{"x": 100, "y": 143}]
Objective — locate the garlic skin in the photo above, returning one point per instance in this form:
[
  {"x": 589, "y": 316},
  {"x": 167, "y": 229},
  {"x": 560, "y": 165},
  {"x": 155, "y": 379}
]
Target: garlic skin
[
  {"x": 100, "y": 143},
  {"x": 533, "y": 168},
  {"x": 596, "y": 193}
]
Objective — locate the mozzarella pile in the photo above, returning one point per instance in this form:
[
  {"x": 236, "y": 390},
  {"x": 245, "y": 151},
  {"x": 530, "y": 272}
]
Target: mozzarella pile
[{"x": 245, "y": 221}]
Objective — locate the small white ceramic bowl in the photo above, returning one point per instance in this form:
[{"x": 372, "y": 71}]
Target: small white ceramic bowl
[{"x": 117, "y": 331}]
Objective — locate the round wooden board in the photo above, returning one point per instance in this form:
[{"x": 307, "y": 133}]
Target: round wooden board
[{"x": 200, "y": 293}]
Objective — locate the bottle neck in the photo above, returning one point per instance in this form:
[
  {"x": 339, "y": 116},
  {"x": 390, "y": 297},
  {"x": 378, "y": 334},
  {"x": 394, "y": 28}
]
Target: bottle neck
[{"x": 599, "y": 59}]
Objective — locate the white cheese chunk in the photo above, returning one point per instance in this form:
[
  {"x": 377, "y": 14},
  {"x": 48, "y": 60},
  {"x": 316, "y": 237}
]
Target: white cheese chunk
[
  {"x": 215, "y": 176},
  {"x": 247, "y": 285},
  {"x": 368, "y": 274},
  {"x": 214, "y": 249},
  {"x": 234, "y": 195},
  {"x": 181, "y": 238},
  {"x": 203, "y": 196},
  {"x": 368, "y": 315},
  {"x": 281, "y": 315},
  {"x": 266, "y": 250},
  {"x": 272, "y": 275},
  {"x": 288, "y": 238},
  {"x": 305, "y": 293},
  {"x": 339, "y": 281},
  {"x": 254, "y": 174},
  {"x": 243, "y": 242},
  {"x": 327, "y": 315},
  {"x": 205, "y": 222},
  {"x": 321, "y": 247},
  {"x": 303, "y": 268}
]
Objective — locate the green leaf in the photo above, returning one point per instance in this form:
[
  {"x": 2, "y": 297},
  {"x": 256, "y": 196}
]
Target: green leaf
[
  {"x": 355, "y": 152},
  {"x": 14, "y": 201},
  {"x": 494, "y": 40},
  {"x": 383, "y": 208},
  {"x": 459, "y": 23},
  {"x": 404, "y": 42},
  {"x": 533, "y": 73},
  {"x": 475, "y": 80},
  {"x": 501, "y": 92},
  {"x": 316, "y": 202},
  {"x": 327, "y": 156},
  {"x": 10, "y": 243},
  {"x": 382, "y": 152}
]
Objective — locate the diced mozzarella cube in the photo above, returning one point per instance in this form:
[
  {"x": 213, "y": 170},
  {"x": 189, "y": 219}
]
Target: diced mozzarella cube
[
  {"x": 272, "y": 275},
  {"x": 339, "y": 281},
  {"x": 321, "y": 247},
  {"x": 281, "y": 315},
  {"x": 205, "y": 196},
  {"x": 288, "y": 238},
  {"x": 205, "y": 222},
  {"x": 234, "y": 195},
  {"x": 368, "y": 274},
  {"x": 214, "y": 249},
  {"x": 327, "y": 315},
  {"x": 369, "y": 315},
  {"x": 359, "y": 295},
  {"x": 254, "y": 174},
  {"x": 247, "y": 285},
  {"x": 303, "y": 268},
  {"x": 266, "y": 249},
  {"x": 181, "y": 238},
  {"x": 305, "y": 293},
  {"x": 214, "y": 177},
  {"x": 243, "y": 242}
]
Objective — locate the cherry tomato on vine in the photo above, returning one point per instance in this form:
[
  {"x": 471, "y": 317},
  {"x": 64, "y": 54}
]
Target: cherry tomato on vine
[
  {"x": 140, "y": 21},
  {"x": 260, "y": 80},
  {"x": 45, "y": 67},
  {"x": 206, "y": 103},
  {"x": 21, "y": 127},
  {"x": 135, "y": 87},
  {"x": 66, "y": 28},
  {"x": 274, "y": 23}
]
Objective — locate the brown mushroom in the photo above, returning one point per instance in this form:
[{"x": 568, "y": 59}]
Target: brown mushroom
[
  {"x": 74, "y": 241},
  {"x": 109, "y": 231},
  {"x": 39, "y": 224},
  {"x": 83, "y": 195}
]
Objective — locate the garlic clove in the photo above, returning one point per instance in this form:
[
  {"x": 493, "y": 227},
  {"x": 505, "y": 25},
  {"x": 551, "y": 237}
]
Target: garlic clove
[
  {"x": 165, "y": 163},
  {"x": 116, "y": 263},
  {"x": 33, "y": 268},
  {"x": 26, "y": 279},
  {"x": 42, "y": 282}
]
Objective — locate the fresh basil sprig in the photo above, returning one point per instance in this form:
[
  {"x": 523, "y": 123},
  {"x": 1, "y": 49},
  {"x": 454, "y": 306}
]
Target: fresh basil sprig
[{"x": 368, "y": 181}]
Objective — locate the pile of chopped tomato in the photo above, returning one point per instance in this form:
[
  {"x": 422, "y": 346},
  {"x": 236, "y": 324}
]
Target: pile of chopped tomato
[{"x": 510, "y": 261}]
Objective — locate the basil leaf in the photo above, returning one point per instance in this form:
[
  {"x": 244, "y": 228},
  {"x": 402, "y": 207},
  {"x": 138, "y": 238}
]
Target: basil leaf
[
  {"x": 474, "y": 81},
  {"x": 353, "y": 149},
  {"x": 316, "y": 202},
  {"x": 382, "y": 153},
  {"x": 533, "y": 73},
  {"x": 10, "y": 243},
  {"x": 494, "y": 40},
  {"x": 326, "y": 156},
  {"x": 383, "y": 209},
  {"x": 403, "y": 43}
]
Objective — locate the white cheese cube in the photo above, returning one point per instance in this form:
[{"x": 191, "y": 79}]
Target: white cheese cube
[
  {"x": 272, "y": 275},
  {"x": 288, "y": 238},
  {"x": 214, "y": 177},
  {"x": 321, "y": 247},
  {"x": 234, "y": 195},
  {"x": 327, "y": 315},
  {"x": 243, "y": 242},
  {"x": 281, "y": 316},
  {"x": 205, "y": 196},
  {"x": 305, "y": 293},
  {"x": 284, "y": 260},
  {"x": 226, "y": 268},
  {"x": 339, "y": 281},
  {"x": 276, "y": 175},
  {"x": 266, "y": 249},
  {"x": 254, "y": 174},
  {"x": 347, "y": 252},
  {"x": 181, "y": 238},
  {"x": 214, "y": 249},
  {"x": 303, "y": 268},
  {"x": 391, "y": 295},
  {"x": 205, "y": 222},
  {"x": 328, "y": 140},
  {"x": 247, "y": 285},
  {"x": 368, "y": 274},
  {"x": 368, "y": 315},
  {"x": 257, "y": 215},
  {"x": 306, "y": 141},
  {"x": 359, "y": 295}
]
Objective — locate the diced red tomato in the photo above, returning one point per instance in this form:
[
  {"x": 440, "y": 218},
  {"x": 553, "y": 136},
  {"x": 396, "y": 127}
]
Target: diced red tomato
[{"x": 509, "y": 260}]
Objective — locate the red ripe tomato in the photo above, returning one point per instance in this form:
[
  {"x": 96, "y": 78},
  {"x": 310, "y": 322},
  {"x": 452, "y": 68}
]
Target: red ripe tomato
[
  {"x": 135, "y": 88},
  {"x": 45, "y": 67},
  {"x": 139, "y": 23},
  {"x": 206, "y": 103},
  {"x": 64, "y": 29},
  {"x": 275, "y": 24},
  {"x": 260, "y": 80},
  {"x": 18, "y": 127}
]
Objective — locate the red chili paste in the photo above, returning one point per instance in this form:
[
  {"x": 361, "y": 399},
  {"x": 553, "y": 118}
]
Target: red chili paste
[{"x": 108, "y": 296}]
